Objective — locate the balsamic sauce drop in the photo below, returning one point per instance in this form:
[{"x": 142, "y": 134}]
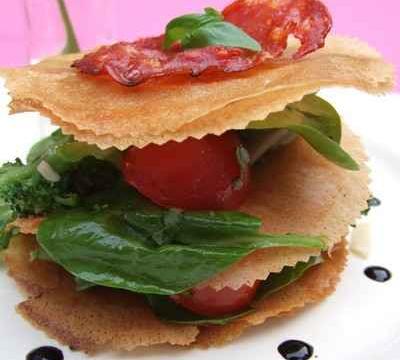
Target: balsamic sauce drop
[
  {"x": 378, "y": 273},
  {"x": 295, "y": 350},
  {"x": 45, "y": 353}
]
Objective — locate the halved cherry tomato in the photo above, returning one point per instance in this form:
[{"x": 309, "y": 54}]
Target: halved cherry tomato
[
  {"x": 209, "y": 302},
  {"x": 206, "y": 174}
]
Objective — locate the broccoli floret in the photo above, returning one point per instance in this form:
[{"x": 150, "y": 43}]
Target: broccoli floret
[
  {"x": 28, "y": 193},
  {"x": 59, "y": 171}
]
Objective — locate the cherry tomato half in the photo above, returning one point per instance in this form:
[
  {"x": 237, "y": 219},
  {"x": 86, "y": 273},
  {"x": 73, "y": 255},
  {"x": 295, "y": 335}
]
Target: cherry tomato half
[
  {"x": 206, "y": 174},
  {"x": 209, "y": 302}
]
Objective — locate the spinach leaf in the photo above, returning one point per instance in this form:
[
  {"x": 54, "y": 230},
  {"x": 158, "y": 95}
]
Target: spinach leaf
[
  {"x": 317, "y": 122},
  {"x": 201, "y": 30},
  {"x": 101, "y": 247},
  {"x": 61, "y": 152},
  {"x": 287, "y": 276},
  {"x": 325, "y": 116},
  {"x": 164, "y": 226},
  {"x": 168, "y": 310},
  {"x": 40, "y": 149}
]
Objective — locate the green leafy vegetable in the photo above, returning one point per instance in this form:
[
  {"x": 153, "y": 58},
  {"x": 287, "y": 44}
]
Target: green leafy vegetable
[
  {"x": 317, "y": 122},
  {"x": 201, "y": 30},
  {"x": 6, "y": 217},
  {"x": 168, "y": 310},
  {"x": 104, "y": 249},
  {"x": 165, "y": 226},
  {"x": 287, "y": 276},
  {"x": 44, "y": 146}
]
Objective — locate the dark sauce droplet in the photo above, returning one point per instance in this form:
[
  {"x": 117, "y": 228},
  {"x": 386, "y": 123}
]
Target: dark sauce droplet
[
  {"x": 295, "y": 350},
  {"x": 45, "y": 353},
  {"x": 378, "y": 273}
]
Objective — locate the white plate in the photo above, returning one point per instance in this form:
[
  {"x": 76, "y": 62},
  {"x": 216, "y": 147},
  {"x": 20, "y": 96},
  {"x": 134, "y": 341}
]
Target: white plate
[{"x": 361, "y": 321}]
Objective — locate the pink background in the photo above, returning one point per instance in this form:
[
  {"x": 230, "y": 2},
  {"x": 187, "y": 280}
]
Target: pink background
[{"x": 30, "y": 29}]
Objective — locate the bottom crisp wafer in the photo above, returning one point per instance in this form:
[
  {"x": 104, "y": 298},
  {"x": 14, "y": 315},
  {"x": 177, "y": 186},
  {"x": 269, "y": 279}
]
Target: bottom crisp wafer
[{"x": 107, "y": 319}]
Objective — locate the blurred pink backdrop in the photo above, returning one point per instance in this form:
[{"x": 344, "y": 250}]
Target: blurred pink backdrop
[{"x": 30, "y": 29}]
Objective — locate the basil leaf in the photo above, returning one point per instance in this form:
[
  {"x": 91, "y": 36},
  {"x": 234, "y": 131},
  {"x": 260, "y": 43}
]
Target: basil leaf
[
  {"x": 201, "y": 30},
  {"x": 168, "y": 310},
  {"x": 102, "y": 248},
  {"x": 178, "y": 28},
  {"x": 164, "y": 226},
  {"x": 220, "y": 33},
  {"x": 317, "y": 123}
]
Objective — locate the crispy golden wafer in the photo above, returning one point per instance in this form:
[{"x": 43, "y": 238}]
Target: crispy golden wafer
[
  {"x": 158, "y": 111},
  {"x": 108, "y": 319}
]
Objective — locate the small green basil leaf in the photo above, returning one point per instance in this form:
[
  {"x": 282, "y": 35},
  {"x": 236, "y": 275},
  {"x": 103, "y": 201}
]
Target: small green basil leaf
[
  {"x": 167, "y": 310},
  {"x": 320, "y": 128},
  {"x": 220, "y": 33},
  {"x": 102, "y": 248},
  {"x": 179, "y": 28},
  {"x": 201, "y": 30}
]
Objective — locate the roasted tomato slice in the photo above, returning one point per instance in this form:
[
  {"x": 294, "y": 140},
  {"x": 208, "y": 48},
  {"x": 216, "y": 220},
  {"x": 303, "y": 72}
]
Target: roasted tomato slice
[
  {"x": 207, "y": 174},
  {"x": 209, "y": 302}
]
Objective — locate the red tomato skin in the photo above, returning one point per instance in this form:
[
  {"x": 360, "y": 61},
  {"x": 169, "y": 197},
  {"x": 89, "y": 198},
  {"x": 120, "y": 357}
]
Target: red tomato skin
[
  {"x": 210, "y": 302},
  {"x": 193, "y": 175}
]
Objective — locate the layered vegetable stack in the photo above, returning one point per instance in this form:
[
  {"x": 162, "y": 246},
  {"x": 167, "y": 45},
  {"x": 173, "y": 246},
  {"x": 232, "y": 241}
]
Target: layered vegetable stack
[
  {"x": 102, "y": 230},
  {"x": 197, "y": 185}
]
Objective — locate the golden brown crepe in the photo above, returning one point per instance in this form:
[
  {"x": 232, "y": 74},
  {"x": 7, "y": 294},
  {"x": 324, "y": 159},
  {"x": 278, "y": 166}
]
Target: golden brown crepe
[
  {"x": 98, "y": 110},
  {"x": 108, "y": 319}
]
